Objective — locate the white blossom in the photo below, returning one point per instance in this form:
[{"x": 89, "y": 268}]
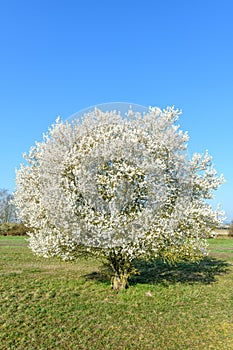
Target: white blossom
[{"x": 118, "y": 186}]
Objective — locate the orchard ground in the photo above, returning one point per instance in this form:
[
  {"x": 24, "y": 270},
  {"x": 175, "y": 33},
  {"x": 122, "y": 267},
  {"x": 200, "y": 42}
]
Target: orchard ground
[{"x": 49, "y": 304}]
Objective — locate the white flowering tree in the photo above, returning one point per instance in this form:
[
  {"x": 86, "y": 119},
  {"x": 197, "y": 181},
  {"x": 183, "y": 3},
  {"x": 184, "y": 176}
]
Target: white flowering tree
[{"x": 119, "y": 187}]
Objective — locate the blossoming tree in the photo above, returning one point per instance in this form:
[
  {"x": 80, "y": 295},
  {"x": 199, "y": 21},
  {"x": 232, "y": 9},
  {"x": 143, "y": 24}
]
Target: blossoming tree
[{"x": 119, "y": 187}]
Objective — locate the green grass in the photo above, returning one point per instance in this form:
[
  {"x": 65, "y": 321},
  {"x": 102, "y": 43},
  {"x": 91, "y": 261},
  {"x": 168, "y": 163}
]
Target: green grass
[{"x": 48, "y": 304}]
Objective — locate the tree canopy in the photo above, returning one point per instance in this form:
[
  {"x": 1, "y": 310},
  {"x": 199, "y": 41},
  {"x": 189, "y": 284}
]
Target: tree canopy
[{"x": 119, "y": 187}]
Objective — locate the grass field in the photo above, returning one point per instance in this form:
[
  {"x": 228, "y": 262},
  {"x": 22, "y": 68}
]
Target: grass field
[{"x": 48, "y": 304}]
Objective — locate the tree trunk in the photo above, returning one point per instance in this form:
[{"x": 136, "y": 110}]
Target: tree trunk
[{"x": 120, "y": 282}]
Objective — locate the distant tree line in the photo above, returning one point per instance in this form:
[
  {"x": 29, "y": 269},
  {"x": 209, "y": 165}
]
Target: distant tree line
[{"x": 9, "y": 223}]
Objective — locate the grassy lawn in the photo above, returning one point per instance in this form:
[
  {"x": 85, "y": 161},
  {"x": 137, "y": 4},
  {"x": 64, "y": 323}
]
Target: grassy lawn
[{"x": 48, "y": 304}]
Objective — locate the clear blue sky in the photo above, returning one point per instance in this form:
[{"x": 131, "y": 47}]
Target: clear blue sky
[{"x": 60, "y": 56}]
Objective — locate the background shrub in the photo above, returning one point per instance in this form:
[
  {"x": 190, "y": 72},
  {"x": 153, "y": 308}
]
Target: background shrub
[{"x": 13, "y": 229}]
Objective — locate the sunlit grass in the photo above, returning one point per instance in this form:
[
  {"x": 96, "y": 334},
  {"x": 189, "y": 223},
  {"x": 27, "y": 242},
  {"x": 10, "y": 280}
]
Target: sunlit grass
[{"x": 49, "y": 304}]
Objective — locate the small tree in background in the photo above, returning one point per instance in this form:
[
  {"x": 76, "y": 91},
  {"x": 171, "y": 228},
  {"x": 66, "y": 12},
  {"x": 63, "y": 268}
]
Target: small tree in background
[
  {"x": 230, "y": 229},
  {"x": 9, "y": 225},
  {"x": 7, "y": 208},
  {"x": 120, "y": 188}
]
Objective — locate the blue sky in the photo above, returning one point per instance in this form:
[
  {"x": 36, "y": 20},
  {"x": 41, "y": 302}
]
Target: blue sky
[{"x": 60, "y": 56}]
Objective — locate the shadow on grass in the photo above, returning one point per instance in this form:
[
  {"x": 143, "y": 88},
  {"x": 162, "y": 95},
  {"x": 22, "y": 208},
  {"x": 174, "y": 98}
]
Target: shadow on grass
[
  {"x": 159, "y": 272},
  {"x": 186, "y": 272}
]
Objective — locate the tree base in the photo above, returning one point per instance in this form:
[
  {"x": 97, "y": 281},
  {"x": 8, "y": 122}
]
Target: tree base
[{"x": 119, "y": 282}]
